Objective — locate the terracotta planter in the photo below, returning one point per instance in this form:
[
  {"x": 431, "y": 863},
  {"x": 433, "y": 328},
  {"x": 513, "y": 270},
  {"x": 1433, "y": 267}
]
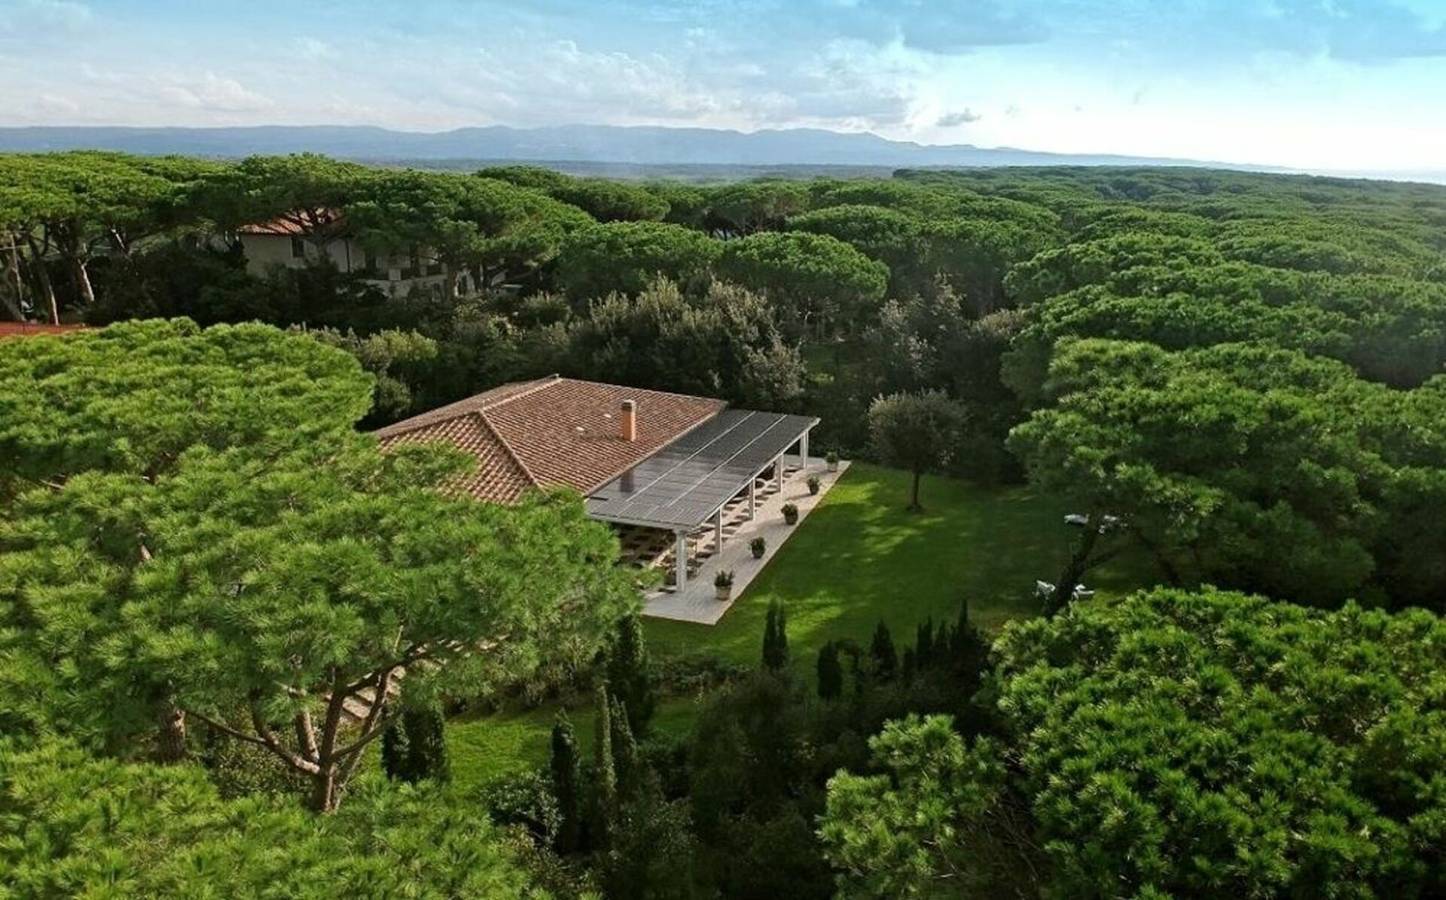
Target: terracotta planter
[
  {"x": 833, "y": 465},
  {"x": 724, "y": 594}
]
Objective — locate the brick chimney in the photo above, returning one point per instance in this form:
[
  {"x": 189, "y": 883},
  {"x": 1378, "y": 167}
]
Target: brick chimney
[{"x": 629, "y": 429}]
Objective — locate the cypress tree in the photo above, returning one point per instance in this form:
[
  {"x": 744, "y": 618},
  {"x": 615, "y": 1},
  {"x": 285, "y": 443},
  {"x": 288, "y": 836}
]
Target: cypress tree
[
  {"x": 396, "y": 758},
  {"x": 566, "y": 785},
  {"x": 924, "y": 644},
  {"x": 624, "y": 745},
  {"x": 775, "y": 638},
  {"x": 414, "y": 746},
  {"x": 605, "y": 777},
  {"x": 628, "y": 677},
  {"x": 830, "y": 672},
  {"x": 886, "y": 658},
  {"x": 970, "y": 652},
  {"x": 909, "y": 665},
  {"x": 427, "y": 743}
]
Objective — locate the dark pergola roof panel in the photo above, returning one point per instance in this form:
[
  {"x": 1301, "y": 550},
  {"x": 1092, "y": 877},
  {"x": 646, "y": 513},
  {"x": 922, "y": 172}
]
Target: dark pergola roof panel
[{"x": 687, "y": 481}]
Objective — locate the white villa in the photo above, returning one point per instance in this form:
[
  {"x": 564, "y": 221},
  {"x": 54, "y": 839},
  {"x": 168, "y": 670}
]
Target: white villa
[{"x": 287, "y": 242}]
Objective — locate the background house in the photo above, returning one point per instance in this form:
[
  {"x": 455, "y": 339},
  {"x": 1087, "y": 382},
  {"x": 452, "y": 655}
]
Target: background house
[{"x": 286, "y": 242}]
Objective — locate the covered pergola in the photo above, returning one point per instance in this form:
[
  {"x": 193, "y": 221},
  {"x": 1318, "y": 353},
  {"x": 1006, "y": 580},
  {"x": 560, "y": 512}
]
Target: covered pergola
[{"x": 684, "y": 486}]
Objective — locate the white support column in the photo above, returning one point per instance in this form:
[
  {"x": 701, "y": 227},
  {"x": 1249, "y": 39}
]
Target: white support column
[
  {"x": 803, "y": 450},
  {"x": 778, "y": 472},
  {"x": 753, "y": 497},
  {"x": 680, "y": 560},
  {"x": 718, "y": 530}
]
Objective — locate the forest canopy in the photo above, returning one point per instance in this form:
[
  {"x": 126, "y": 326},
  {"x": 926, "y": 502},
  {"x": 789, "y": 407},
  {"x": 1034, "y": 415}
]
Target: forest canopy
[{"x": 1235, "y": 382}]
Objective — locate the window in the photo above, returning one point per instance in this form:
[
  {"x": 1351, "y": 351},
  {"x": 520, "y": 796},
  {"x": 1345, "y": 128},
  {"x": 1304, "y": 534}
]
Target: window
[{"x": 298, "y": 248}]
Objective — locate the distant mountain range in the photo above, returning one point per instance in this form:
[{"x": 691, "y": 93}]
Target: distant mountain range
[{"x": 637, "y": 146}]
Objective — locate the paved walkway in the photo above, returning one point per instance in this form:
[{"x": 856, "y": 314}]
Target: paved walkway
[{"x": 697, "y": 602}]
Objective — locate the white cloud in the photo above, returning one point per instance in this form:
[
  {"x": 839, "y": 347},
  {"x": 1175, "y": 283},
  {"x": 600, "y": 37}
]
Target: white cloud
[{"x": 212, "y": 92}]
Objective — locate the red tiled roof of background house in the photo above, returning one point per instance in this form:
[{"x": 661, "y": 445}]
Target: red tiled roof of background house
[
  {"x": 552, "y": 431},
  {"x": 21, "y": 329},
  {"x": 295, "y": 224}
]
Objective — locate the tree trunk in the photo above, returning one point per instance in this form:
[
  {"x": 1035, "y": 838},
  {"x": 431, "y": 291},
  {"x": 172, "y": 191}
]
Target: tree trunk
[
  {"x": 1079, "y": 563},
  {"x": 1166, "y": 565},
  {"x": 323, "y": 791},
  {"x": 82, "y": 282},
  {"x": 42, "y": 275},
  {"x": 914, "y": 497},
  {"x": 12, "y": 280},
  {"x": 450, "y": 273},
  {"x": 170, "y": 733}
]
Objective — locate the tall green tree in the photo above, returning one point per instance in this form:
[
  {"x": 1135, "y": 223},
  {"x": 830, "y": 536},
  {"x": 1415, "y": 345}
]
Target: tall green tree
[
  {"x": 492, "y": 228},
  {"x": 307, "y": 191},
  {"x": 1172, "y": 743},
  {"x": 775, "y": 638},
  {"x": 601, "y": 198},
  {"x": 397, "y": 752},
  {"x": 269, "y": 588},
  {"x": 604, "y": 772},
  {"x": 1244, "y": 465},
  {"x": 830, "y": 672},
  {"x": 628, "y": 671},
  {"x": 419, "y": 745},
  {"x": 295, "y": 590},
  {"x": 62, "y": 835},
  {"x": 918, "y": 432},
  {"x": 626, "y": 762},
  {"x": 725, "y": 345},
  {"x": 819, "y": 282},
  {"x": 883, "y": 654},
  {"x": 128, "y": 402},
  {"x": 625, "y": 257},
  {"x": 566, "y": 770}
]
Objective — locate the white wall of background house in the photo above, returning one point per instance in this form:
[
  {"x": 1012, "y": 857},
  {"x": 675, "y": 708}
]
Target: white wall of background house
[{"x": 397, "y": 275}]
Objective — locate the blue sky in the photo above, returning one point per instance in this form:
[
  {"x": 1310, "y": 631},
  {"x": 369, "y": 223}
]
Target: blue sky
[{"x": 1328, "y": 84}]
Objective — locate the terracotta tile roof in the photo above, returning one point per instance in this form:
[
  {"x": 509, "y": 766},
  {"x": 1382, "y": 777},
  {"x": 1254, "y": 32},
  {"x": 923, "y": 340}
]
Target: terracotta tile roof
[
  {"x": 284, "y": 226},
  {"x": 20, "y": 329},
  {"x": 552, "y": 431}
]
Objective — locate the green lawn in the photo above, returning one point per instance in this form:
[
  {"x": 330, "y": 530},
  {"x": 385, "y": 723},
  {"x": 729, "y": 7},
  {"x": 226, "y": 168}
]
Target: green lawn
[
  {"x": 484, "y": 747},
  {"x": 859, "y": 557}
]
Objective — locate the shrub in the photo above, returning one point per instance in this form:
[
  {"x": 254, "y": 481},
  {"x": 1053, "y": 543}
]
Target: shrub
[
  {"x": 697, "y": 672},
  {"x": 790, "y": 513},
  {"x": 813, "y": 484},
  {"x": 724, "y": 578},
  {"x": 525, "y": 800},
  {"x": 759, "y": 546},
  {"x": 832, "y": 459}
]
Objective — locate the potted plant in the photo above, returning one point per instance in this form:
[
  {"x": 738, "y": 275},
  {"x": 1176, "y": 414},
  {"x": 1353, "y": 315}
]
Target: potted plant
[
  {"x": 790, "y": 513},
  {"x": 813, "y": 484},
  {"x": 759, "y": 546},
  {"x": 832, "y": 460},
  {"x": 723, "y": 583}
]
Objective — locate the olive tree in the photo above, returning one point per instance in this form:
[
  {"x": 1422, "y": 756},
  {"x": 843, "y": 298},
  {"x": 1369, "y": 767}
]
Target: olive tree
[{"x": 918, "y": 432}]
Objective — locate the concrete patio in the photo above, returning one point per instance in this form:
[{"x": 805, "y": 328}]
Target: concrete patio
[{"x": 697, "y": 601}]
